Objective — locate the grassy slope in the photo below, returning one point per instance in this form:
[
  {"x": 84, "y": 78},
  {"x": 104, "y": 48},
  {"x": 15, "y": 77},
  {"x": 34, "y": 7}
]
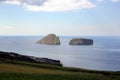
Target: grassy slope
[{"x": 33, "y": 71}]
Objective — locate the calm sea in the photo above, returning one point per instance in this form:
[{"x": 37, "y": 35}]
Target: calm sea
[{"x": 103, "y": 55}]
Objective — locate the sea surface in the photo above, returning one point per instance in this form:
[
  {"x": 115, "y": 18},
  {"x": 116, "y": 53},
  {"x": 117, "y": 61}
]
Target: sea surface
[{"x": 104, "y": 54}]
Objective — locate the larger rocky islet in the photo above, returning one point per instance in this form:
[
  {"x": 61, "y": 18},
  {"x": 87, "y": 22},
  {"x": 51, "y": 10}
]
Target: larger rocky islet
[{"x": 50, "y": 39}]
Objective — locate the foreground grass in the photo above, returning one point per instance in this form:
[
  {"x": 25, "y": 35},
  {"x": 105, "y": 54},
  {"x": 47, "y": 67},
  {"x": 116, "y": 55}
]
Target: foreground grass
[
  {"x": 34, "y": 71},
  {"x": 23, "y": 76}
]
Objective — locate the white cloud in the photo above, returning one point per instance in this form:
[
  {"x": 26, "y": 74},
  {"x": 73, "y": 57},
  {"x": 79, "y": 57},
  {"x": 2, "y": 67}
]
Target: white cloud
[
  {"x": 61, "y": 5},
  {"x": 100, "y": 0},
  {"x": 51, "y": 5},
  {"x": 109, "y": 0},
  {"x": 13, "y": 30},
  {"x": 54, "y": 5},
  {"x": 14, "y": 2},
  {"x": 115, "y": 0}
]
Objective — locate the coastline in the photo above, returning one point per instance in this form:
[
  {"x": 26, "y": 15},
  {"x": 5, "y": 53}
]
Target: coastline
[
  {"x": 13, "y": 69},
  {"x": 12, "y": 57}
]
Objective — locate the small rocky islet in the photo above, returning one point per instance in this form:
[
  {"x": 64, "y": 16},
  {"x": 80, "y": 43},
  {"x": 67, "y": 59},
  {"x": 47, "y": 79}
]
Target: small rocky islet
[
  {"x": 52, "y": 39},
  {"x": 81, "y": 41}
]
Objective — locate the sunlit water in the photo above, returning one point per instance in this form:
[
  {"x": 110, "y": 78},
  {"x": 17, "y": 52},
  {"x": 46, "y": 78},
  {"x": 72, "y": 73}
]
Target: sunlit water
[{"x": 104, "y": 54}]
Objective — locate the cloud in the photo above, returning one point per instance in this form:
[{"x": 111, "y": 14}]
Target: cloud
[
  {"x": 15, "y": 30},
  {"x": 109, "y": 0},
  {"x": 54, "y": 5},
  {"x": 51, "y": 5},
  {"x": 115, "y": 0}
]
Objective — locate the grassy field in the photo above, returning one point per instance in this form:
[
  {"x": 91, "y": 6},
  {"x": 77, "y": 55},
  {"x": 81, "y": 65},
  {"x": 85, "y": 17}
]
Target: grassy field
[{"x": 35, "y": 71}]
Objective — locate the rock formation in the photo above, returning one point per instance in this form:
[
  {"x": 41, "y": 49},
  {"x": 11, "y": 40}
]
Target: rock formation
[
  {"x": 10, "y": 56},
  {"x": 51, "y": 39},
  {"x": 81, "y": 41}
]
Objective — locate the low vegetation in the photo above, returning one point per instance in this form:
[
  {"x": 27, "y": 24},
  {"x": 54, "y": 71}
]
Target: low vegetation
[{"x": 12, "y": 70}]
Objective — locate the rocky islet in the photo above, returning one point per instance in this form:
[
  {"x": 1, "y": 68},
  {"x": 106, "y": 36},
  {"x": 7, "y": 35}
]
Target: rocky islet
[
  {"x": 81, "y": 41},
  {"x": 52, "y": 39}
]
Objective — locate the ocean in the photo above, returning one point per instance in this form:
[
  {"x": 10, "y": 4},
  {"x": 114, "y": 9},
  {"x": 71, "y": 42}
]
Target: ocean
[{"x": 104, "y": 54}]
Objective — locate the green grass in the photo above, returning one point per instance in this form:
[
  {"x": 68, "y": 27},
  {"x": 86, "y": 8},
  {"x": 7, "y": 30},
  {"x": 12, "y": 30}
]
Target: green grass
[
  {"x": 35, "y": 71},
  {"x": 23, "y": 76}
]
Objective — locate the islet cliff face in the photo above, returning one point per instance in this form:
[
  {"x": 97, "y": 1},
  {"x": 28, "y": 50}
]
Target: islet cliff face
[
  {"x": 81, "y": 41},
  {"x": 50, "y": 39}
]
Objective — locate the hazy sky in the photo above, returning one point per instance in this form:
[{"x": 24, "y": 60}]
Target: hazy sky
[{"x": 62, "y": 17}]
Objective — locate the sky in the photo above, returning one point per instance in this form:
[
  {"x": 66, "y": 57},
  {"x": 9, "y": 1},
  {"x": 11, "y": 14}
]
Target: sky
[{"x": 61, "y": 17}]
